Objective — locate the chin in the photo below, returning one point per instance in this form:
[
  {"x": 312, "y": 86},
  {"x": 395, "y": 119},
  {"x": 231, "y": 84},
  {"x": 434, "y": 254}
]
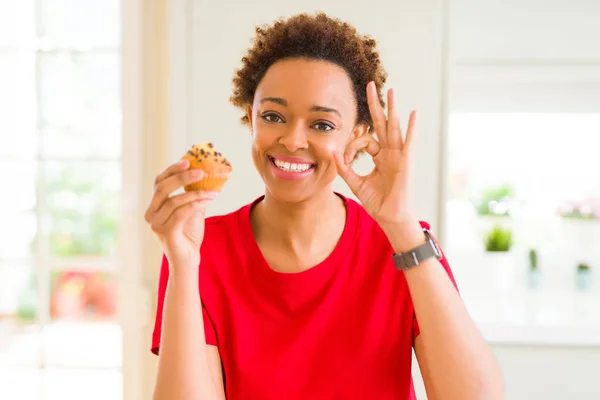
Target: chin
[{"x": 285, "y": 195}]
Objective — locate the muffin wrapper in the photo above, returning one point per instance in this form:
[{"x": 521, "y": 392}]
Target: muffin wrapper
[{"x": 209, "y": 182}]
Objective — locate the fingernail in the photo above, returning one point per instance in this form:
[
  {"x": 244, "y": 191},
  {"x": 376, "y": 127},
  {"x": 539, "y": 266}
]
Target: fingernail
[
  {"x": 197, "y": 173},
  {"x": 346, "y": 158}
]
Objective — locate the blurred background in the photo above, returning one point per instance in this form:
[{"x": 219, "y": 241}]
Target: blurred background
[{"x": 96, "y": 97}]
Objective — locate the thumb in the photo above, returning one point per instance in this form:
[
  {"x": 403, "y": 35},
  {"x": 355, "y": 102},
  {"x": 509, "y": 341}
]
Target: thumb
[{"x": 352, "y": 179}]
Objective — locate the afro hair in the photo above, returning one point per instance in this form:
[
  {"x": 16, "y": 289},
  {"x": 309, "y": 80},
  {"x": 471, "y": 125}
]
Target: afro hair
[{"x": 313, "y": 37}]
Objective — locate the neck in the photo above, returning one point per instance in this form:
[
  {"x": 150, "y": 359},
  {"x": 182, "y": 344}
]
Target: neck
[{"x": 306, "y": 227}]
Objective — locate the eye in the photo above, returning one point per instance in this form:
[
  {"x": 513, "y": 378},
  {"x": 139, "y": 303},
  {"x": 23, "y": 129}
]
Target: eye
[
  {"x": 323, "y": 126},
  {"x": 270, "y": 117}
]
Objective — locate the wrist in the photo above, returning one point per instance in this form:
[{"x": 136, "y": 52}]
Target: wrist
[
  {"x": 404, "y": 235},
  {"x": 185, "y": 271}
]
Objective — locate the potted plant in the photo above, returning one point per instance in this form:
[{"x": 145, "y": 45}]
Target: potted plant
[
  {"x": 498, "y": 239},
  {"x": 584, "y": 276},
  {"x": 580, "y": 225},
  {"x": 493, "y": 207},
  {"x": 498, "y": 243},
  {"x": 494, "y": 201},
  {"x": 534, "y": 271}
]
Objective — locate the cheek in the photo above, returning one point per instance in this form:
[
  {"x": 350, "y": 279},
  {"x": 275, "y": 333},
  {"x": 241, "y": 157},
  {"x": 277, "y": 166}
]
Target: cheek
[
  {"x": 331, "y": 144},
  {"x": 263, "y": 136}
]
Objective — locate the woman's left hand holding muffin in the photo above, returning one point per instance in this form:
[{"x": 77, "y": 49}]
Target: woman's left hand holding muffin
[{"x": 385, "y": 191}]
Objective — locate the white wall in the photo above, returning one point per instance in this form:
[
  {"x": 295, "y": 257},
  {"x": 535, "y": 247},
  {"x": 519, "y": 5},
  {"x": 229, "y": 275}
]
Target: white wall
[{"x": 525, "y": 55}]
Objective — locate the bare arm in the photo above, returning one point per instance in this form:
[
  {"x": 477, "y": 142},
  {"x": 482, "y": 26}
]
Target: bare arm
[
  {"x": 455, "y": 360},
  {"x": 187, "y": 367}
]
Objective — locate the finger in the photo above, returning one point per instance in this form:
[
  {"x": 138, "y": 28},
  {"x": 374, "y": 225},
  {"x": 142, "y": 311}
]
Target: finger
[
  {"x": 394, "y": 131},
  {"x": 377, "y": 114},
  {"x": 165, "y": 187},
  {"x": 352, "y": 179},
  {"x": 412, "y": 121},
  {"x": 172, "y": 169},
  {"x": 175, "y": 202},
  {"x": 183, "y": 213},
  {"x": 363, "y": 142}
]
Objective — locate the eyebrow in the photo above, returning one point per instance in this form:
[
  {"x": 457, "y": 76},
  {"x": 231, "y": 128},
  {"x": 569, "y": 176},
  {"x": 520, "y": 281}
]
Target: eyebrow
[{"x": 283, "y": 102}]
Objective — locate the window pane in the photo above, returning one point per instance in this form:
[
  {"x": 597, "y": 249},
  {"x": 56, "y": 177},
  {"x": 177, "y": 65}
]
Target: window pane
[
  {"x": 82, "y": 207},
  {"x": 18, "y": 232},
  {"x": 19, "y": 332},
  {"x": 77, "y": 384},
  {"x": 18, "y": 103},
  {"x": 20, "y": 383},
  {"x": 17, "y": 23},
  {"x": 84, "y": 329},
  {"x": 18, "y": 176},
  {"x": 79, "y": 91},
  {"x": 549, "y": 161},
  {"x": 102, "y": 140},
  {"x": 81, "y": 344},
  {"x": 60, "y": 384},
  {"x": 81, "y": 23},
  {"x": 536, "y": 177}
]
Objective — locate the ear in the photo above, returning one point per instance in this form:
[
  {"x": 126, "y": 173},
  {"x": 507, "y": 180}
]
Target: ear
[
  {"x": 360, "y": 129},
  {"x": 249, "y": 116}
]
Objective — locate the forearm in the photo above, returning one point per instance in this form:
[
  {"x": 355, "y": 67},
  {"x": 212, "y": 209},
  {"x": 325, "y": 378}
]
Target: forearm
[
  {"x": 459, "y": 364},
  {"x": 183, "y": 371}
]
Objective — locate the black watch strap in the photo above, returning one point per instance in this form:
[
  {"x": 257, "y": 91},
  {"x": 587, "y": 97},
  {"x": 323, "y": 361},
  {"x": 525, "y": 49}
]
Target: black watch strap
[{"x": 414, "y": 257}]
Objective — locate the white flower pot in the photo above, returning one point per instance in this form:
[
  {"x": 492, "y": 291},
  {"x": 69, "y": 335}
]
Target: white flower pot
[
  {"x": 502, "y": 267},
  {"x": 581, "y": 237}
]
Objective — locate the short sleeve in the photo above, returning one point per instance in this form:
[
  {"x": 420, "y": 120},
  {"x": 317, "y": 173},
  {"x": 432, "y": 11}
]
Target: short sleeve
[
  {"x": 444, "y": 262},
  {"x": 209, "y": 330}
]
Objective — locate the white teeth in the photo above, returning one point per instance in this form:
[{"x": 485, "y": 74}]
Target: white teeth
[{"x": 291, "y": 167}]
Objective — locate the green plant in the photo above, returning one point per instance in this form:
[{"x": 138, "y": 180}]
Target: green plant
[
  {"x": 494, "y": 201},
  {"x": 577, "y": 214},
  {"x": 533, "y": 259},
  {"x": 586, "y": 209},
  {"x": 583, "y": 267},
  {"x": 498, "y": 239}
]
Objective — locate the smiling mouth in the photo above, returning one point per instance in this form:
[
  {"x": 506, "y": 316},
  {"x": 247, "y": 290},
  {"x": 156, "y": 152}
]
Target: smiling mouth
[{"x": 291, "y": 167}]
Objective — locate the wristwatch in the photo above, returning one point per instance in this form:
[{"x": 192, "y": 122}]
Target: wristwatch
[{"x": 414, "y": 257}]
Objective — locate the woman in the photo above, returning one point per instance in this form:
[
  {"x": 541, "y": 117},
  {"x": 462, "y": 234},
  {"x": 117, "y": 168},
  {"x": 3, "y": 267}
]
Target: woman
[{"x": 306, "y": 294}]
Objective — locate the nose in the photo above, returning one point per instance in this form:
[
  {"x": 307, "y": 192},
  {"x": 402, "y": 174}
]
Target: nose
[{"x": 294, "y": 138}]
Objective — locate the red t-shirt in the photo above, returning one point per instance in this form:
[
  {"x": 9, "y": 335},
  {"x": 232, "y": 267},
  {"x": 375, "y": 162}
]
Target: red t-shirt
[{"x": 343, "y": 329}]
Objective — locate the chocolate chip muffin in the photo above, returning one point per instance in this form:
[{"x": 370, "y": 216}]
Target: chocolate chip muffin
[{"x": 215, "y": 166}]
